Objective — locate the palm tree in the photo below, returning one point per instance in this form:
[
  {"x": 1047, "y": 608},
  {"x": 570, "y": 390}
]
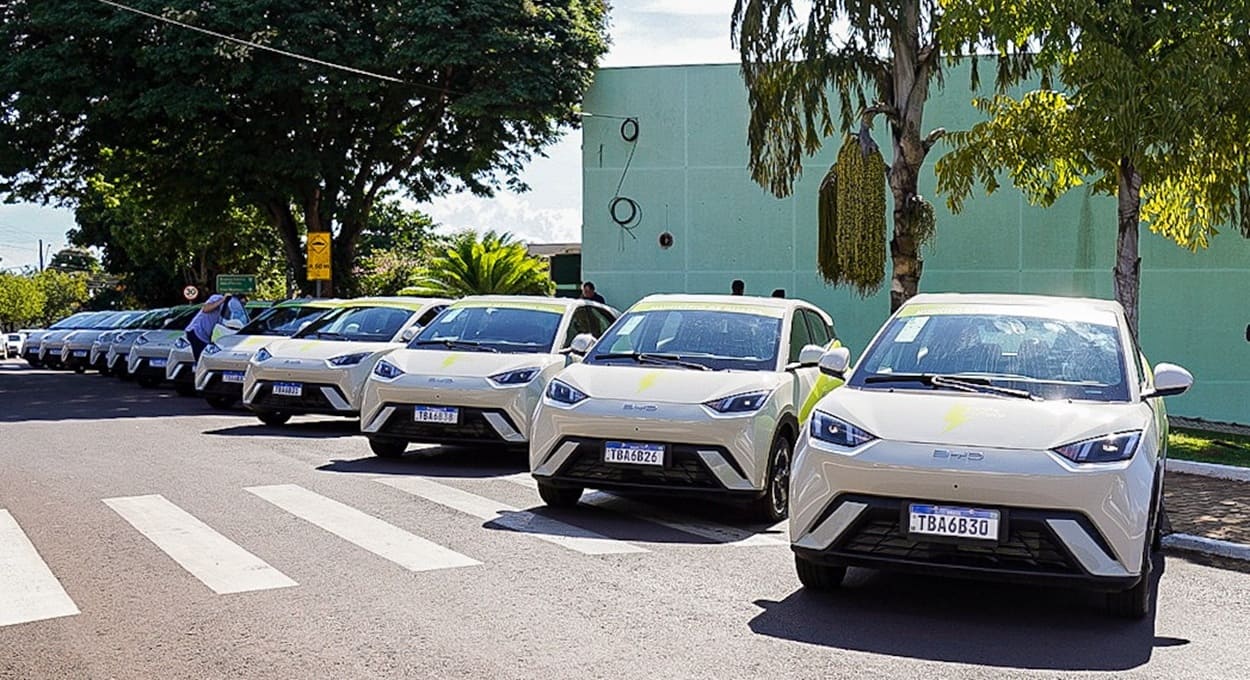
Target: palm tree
[{"x": 490, "y": 264}]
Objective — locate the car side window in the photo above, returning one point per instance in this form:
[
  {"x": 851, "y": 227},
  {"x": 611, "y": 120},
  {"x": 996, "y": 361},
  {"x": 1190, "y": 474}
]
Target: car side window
[
  {"x": 429, "y": 315},
  {"x": 582, "y": 322},
  {"x": 819, "y": 331},
  {"x": 605, "y": 319},
  {"x": 800, "y": 336}
]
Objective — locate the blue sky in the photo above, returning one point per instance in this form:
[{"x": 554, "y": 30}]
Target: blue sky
[{"x": 644, "y": 32}]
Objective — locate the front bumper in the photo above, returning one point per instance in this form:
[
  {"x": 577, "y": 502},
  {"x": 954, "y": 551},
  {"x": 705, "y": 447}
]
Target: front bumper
[
  {"x": 149, "y": 363},
  {"x": 325, "y": 390},
  {"x": 76, "y": 354},
  {"x": 488, "y": 413},
  {"x": 211, "y": 369},
  {"x": 703, "y": 452},
  {"x": 1062, "y": 522}
]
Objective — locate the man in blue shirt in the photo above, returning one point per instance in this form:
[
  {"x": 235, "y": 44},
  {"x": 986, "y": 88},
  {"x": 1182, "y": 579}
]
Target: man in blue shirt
[
  {"x": 235, "y": 305},
  {"x": 200, "y": 330}
]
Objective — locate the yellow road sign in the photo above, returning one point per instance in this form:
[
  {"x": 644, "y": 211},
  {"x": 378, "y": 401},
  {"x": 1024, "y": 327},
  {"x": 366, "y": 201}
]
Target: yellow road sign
[{"x": 319, "y": 256}]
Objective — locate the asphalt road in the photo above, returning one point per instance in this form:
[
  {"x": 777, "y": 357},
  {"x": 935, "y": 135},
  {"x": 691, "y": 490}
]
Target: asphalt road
[{"x": 150, "y": 511}]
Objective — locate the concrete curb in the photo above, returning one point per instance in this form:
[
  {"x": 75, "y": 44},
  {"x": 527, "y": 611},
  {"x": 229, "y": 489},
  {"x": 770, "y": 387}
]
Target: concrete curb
[
  {"x": 1207, "y": 546},
  {"x": 1189, "y": 467}
]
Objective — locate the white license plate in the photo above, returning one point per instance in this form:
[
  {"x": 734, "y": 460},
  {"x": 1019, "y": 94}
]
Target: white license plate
[
  {"x": 232, "y": 376},
  {"x": 285, "y": 389},
  {"x": 157, "y": 363},
  {"x": 940, "y": 520},
  {"x": 80, "y": 352},
  {"x": 634, "y": 453},
  {"x": 436, "y": 414}
]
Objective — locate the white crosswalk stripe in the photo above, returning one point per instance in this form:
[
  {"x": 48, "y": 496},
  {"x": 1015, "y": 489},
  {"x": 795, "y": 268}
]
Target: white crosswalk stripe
[
  {"x": 538, "y": 526},
  {"x": 214, "y": 559},
  {"x": 28, "y": 589},
  {"x": 723, "y": 534},
  {"x": 366, "y": 531}
]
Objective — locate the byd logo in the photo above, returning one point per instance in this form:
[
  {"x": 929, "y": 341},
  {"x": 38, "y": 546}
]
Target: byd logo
[
  {"x": 647, "y": 408},
  {"x": 961, "y": 456}
]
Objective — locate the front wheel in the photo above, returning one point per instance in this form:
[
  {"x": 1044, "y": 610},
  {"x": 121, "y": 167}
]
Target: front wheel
[
  {"x": 388, "y": 448},
  {"x": 774, "y": 505},
  {"x": 559, "y": 496},
  {"x": 80, "y": 369},
  {"x": 273, "y": 418},
  {"x": 1135, "y": 603},
  {"x": 817, "y": 576}
]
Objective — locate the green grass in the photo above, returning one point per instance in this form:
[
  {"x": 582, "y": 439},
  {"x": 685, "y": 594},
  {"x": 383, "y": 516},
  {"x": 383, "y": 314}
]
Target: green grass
[{"x": 1209, "y": 447}]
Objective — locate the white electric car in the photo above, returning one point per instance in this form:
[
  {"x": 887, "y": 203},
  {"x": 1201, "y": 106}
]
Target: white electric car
[
  {"x": 149, "y": 352},
  {"x": 475, "y": 374},
  {"x": 697, "y": 395},
  {"x": 990, "y": 436}
]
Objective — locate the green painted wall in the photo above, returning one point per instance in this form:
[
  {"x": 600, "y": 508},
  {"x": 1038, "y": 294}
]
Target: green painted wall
[{"x": 688, "y": 175}]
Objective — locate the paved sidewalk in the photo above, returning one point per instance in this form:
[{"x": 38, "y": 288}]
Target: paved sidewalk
[{"x": 1208, "y": 507}]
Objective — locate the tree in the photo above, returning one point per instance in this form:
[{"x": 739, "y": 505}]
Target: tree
[
  {"x": 491, "y": 264},
  {"x": 464, "y": 92},
  {"x": 1155, "y": 110},
  {"x": 889, "y": 50},
  {"x": 64, "y": 293},
  {"x": 74, "y": 259},
  {"x": 21, "y": 301},
  {"x": 394, "y": 249}
]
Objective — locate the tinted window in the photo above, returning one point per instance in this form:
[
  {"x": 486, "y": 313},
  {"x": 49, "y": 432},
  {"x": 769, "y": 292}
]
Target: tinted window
[
  {"x": 358, "y": 324},
  {"x": 429, "y": 315},
  {"x": 1051, "y": 357},
  {"x": 282, "y": 321},
  {"x": 800, "y": 336},
  {"x": 583, "y": 322},
  {"x": 605, "y": 319},
  {"x": 820, "y": 332},
  {"x": 713, "y": 338},
  {"x": 502, "y": 329}
]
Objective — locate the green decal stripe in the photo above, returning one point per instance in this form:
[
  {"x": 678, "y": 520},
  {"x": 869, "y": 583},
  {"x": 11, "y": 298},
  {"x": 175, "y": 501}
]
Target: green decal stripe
[
  {"x": 553, "y": 307},
  {"x": 733, "y": 308}
]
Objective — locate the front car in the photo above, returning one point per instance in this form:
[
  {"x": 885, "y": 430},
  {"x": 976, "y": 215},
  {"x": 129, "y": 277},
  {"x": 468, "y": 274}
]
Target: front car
[
  {"x": 685, "y": 394},
  {"x": 76, "y": 346},
  {"x": 989, "y": 436},
  {"x": 49, "y": 345},
  {"x": 322, "y": 369},
  {"x": 475, "y": 374},
  {"x": 13, "y": 342},
  {"x": 123, "y": 339},
  {"x": 149, "y": 352},
  {"x": 223, "y": 364}
]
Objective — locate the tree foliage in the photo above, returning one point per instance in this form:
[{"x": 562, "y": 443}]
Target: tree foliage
[
  {"x": 852, "y": 218},
  {"x": 63, "y": 293},
  {"x": 75, "y": 259},
  {"x": 1154, "y": 108},
  {"x": 490, "y": 264},
  {"x": 471, "y": 89},
  {"x": 22, "y": 301},
  {"x": 877, "y": 58}
]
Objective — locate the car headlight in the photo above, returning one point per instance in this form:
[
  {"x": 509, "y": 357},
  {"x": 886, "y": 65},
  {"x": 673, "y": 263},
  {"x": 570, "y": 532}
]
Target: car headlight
[
  {"x": 262, "y": 354},
  {"x": 181, "y": 343},
  {"x": 739, "y": 403},
  {"x": 142, "y": 340},
  {"x": 212, "y": 348},
  {"x": 826, "y": 428},
  {"x": 348, "y": 359},
  {"x": 517, "y": 377},
  {"x": 120, "y": 338},
  {"x": 1108, "y": 449},
  {"x": 386, "y": 370},
  {"x": 564, "y": 393}
]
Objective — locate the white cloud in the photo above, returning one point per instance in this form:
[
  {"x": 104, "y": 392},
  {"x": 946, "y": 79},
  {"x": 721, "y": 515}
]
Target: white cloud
[
  {"x": 507, "y": 212},
  {"x": 681, "y": 7}
]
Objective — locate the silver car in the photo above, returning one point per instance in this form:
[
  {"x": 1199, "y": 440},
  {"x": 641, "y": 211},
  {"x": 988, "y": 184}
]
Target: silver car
[{"x": 990, "y": 436}]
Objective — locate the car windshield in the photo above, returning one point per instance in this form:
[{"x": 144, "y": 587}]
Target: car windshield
[
  {"x": 150, "y": 321},
  {"x": 1047, "y": 357},
  {"x": 109, "y": 320},
  {"x": 72, "y": 321},
  {"x": 282, "y": 321},
  {"x": 498, "y": 329},
  {"x": 357, "y": 324},
  {"x": 177, "y": 319},
  {"x": 714, "y": 339}
]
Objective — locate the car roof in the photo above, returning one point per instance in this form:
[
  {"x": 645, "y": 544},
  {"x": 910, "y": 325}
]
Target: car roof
[
  {"x": 768, "y": 305},
  {"x": 964, "y": 299},
  {"x": 519, "y": 301},
  {"x": 400, "y": 302},
  {"x": 327, "y": 303}
]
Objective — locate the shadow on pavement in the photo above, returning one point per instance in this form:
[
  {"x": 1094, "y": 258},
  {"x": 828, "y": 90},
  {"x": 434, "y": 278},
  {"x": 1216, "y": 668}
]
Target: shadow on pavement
[
  {"x": 438, "y": 461},
  {"x": 315, "y": 429},
  {"x": 967, "y": 622},
  {"x": 40, "y": 395}
]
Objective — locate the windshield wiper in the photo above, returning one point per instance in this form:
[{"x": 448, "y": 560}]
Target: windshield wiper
[
  {"x": 661, "y": 359},
  {"x": 964, "y": 384},
  {"x": 451, "y": 343}
]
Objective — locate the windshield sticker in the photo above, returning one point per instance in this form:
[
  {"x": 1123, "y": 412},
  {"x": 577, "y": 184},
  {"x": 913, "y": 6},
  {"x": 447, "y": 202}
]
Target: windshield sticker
[
  {"x": 730, "y": 307},
  {"x": 630, "y": 324},
  {"x": 451, "y": 315},
  {"x": 911, "y": 329}
]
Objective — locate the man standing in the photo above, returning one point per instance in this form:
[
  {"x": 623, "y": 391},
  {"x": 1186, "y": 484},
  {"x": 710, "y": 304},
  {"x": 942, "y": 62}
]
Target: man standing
[
  {"x": 738, "y": 287},
  {"x": 588, "y": 292},
  {"x": 200, "y": 330}
]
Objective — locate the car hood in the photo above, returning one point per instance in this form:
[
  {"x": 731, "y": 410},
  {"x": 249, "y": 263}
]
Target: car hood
[
  {"x": 241, "y": 343},
  {"x": 664, "y": 385},
  {"x": 467, "y": 364},
  {"x": 296, "y": 348},
  {"x": 161, "y": 338},
  {"x": 55, "y": 336},
  {"x": 960, "y": 419}
]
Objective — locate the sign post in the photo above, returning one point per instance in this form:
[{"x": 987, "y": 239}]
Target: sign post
[
  {"x": 318, "y": 257},
  {"x": 236, "y": 283}
]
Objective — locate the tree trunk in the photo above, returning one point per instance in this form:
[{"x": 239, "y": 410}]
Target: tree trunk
[
  {"x": 904, "y": 253},
  {"x": 1127, "y": 261},
  {"x": 283, "y": 221},
  {"x": 911, "y": 70}
]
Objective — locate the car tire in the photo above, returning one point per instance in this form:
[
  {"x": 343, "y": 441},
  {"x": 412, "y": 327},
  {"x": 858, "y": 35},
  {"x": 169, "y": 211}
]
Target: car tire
[
  {"x": 80, "y": 369},
  {"x": 273, "y": 418},
  {"x": 1135, "y": 603},
  {"x": 34, "y": 363},
  {"x": 559, "y": 496},
  {"x": 388, "y": 448},
  {"x": 219, "y": 402},
  {"x": 147, "y": 381},
  {"x": 773, "y": 506},
  {"x": 817, "y": 576}
]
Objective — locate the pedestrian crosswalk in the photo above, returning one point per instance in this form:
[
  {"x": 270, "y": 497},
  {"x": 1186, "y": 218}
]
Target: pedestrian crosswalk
[{"x": 30, "y": 591}]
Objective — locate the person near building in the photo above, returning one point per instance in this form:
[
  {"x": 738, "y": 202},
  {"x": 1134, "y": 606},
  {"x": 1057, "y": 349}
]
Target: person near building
[
  {"x": 738, "y": 287},
  {"x": 588, "y": 292}
]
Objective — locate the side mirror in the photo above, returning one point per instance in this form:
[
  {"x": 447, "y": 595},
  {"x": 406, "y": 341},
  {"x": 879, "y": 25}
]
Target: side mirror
[
  {"x": 1170, "y": 380},
  {"x": 835, "y": 362},
  {"x": 409, "y": 333},
  {"x": 233, "y": 324},
  {"x": 582, "y": 344}
]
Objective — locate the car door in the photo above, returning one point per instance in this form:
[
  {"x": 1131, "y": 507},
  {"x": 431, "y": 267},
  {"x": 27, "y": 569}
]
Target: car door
[
  {"x": 821, "y": 333},
  {"x": 800, "y": 337}
]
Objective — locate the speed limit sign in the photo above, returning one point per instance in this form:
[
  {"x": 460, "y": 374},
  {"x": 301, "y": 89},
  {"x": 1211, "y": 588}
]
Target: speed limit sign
[{"x": 190, "y": 292}]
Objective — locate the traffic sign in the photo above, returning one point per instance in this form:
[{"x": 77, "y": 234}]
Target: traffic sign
[
  {"x": 236, "y": 283},
  {"x": 190, "y": 293},
  {"x": 319, "y": 256}
]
